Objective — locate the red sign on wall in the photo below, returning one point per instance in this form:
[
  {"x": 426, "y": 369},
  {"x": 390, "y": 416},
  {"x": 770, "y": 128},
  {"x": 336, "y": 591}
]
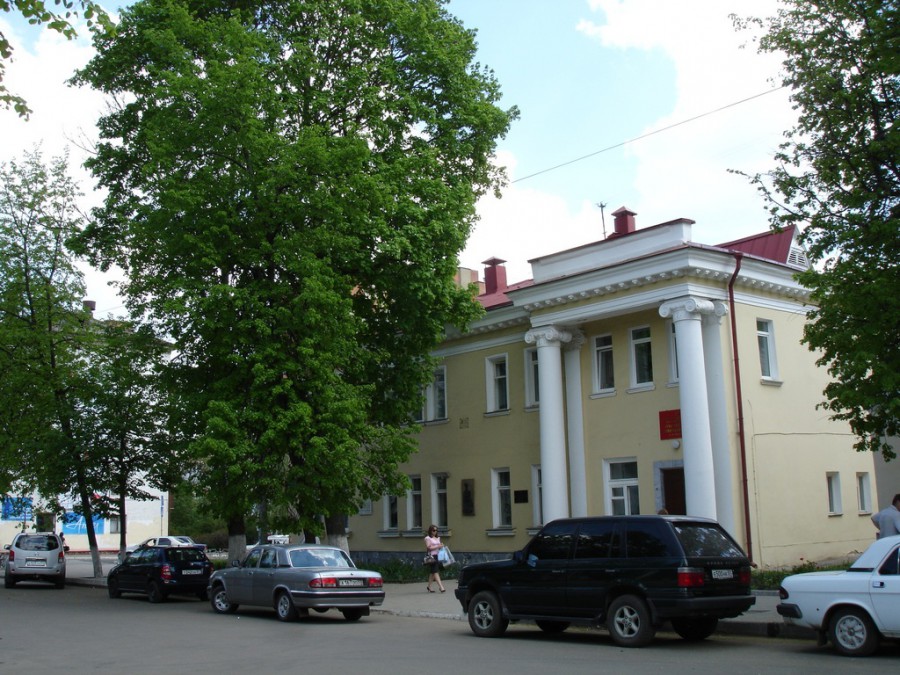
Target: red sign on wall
[{"x": 669, "y": 424}]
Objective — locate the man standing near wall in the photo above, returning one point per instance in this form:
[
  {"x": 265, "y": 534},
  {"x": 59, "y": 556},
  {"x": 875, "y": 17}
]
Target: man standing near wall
[{"x": 888, "y": 520}]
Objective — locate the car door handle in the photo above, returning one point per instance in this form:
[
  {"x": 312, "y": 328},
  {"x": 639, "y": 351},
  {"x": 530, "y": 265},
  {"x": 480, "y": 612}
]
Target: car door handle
[{"x": 877, "y": 584}]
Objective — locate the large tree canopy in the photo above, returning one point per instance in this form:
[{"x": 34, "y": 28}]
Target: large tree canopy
[
  {"x": 839, "y": 179},
  {"x": 290, "y": 184}
]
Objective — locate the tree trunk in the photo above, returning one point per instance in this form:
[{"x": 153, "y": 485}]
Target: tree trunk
[
  {"x": 237, "y": 538},
  {"x": 336, "y": 532},
  {"x": 88, "y": 514}
]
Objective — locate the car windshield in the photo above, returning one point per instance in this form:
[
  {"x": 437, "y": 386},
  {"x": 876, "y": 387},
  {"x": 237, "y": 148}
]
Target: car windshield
[
  {"x": 37, "y": 542},
  {"x": 702, "y": 541},
  {"x": 319, "y": 557}
]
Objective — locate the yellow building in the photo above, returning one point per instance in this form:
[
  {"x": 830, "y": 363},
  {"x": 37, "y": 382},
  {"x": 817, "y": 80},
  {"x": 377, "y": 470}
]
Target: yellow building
[{"x": 638, "y": 373}]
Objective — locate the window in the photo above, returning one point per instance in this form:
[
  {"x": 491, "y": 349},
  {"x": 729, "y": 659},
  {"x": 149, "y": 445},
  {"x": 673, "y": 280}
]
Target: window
[
  {"x": 537, "y": 489},
  {"x": 497, "y": 384},
  {"x": 604, "y": 380},
  {"x": 439, "y": 499},
  {"x": 414, "y": 503},
  {"x": 863, "y": 493},
  {"x": 502, "y": 503},
  {"x": 532, "y": 378},
  {"x": 641, "y": 357},
  {"x": 554, "y": 542},
  {"x": 833, "y": 480},
  {"x": 598, "y": 539},
  {"x": 673, "y": 353},
  {"x": 765, "y": 339},
  {"x": 622, "y": 488},
  {"x": 391, "y": 518},
  {"x": 434, "y": 406},
  {"x": 114, "y": 525},
  {"x": 366, "y": 508}
]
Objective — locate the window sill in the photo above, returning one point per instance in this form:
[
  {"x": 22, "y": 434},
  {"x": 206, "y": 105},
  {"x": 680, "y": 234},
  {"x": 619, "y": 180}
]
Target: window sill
[
  {"x": 769, "y": 382},
  {"x": 497, "y": 413},
  {"x": 501, "y": 532},
  {"x": 432, "y": 423},
  {"x": 532, "y": 408},
  {"x": 603, "y": 393},
  {"x": 641, "y": 388},
  {"x": 415, "y": 532},
  {"x": 388, "y": 534},
  {"x": 835, "y": 515}
]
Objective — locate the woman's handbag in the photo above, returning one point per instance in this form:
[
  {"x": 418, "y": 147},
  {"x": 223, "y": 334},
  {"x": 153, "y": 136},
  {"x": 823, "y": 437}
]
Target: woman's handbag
[
  {"x": 445, "y": 557},
  {"x": 429, "y": 560}
]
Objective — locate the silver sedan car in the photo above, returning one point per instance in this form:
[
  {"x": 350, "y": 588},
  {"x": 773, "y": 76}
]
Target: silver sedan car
[{"x": 293, "y": 579}]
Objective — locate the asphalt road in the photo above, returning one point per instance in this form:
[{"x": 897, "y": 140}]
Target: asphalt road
[{"x": 81, "y": 630}]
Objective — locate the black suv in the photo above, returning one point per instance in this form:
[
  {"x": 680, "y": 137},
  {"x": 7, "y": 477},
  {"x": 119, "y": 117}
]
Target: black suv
[
  {"x": 161, "y": 571},
  {"x": 631, "y": 573}
]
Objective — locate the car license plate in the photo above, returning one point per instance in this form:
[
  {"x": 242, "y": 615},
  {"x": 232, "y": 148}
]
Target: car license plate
[
  {"x": 351, "y": 582},
  {"x": 183, "y": 572},
  {"x": 35, "y": 563},
  {"x": 722, "y": 574}
]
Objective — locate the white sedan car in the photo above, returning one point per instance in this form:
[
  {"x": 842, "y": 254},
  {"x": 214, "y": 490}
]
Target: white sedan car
[{"x": 855, "y": 608}]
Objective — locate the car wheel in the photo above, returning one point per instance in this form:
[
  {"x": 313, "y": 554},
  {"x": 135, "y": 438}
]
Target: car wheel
[
  {"x": 486, "y": 616},
  {"x": 9, "y": 581},
  {"x": 352, "y": 614},
  {"x": 694, "y": 629},
  {"x": 629, "y": 622},
  {"x": 552, "y": 626},
  {"x": 220, "y": 602},
  {"x": 852, "y": 632},
  {"x": 112, "y": 587},
  {"x": 60, "y": 581},
  {"x": 155, "y": 592},
  {"x": 284, "y": 607}
]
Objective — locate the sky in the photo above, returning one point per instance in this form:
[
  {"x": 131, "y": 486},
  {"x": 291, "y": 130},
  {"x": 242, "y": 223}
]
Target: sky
[{"x": 648, "y": 104}]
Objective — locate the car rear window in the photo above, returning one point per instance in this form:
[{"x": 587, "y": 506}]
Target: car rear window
[
  {"x": 37, "y": 542},
  {"x": 700, "y": 540},
  {"x": 184, "y": 555}
]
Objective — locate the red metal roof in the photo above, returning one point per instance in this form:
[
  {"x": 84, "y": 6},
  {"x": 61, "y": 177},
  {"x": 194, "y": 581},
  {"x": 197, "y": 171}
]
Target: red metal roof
[{"x": 771, "y": 245}]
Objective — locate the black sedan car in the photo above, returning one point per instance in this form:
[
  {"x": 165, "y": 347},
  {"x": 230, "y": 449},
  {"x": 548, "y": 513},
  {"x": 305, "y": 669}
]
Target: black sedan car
[
  {"x": 293, "y": 579},
  {"x": 161, "y": 571}
]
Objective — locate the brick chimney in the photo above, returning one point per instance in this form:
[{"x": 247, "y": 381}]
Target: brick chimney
[
  {"x": 624, "y": 222},
  {"x": 494, "y": 276}
]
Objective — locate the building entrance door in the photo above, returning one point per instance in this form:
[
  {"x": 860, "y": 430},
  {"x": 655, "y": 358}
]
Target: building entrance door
[{"x": 673, "y": 491}]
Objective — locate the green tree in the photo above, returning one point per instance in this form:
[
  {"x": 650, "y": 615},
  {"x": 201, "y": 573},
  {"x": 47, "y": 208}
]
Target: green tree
[
  {"x": 838, "y": 178},
  {"x": 57, "y": 16},
  {"x": 290, "y": 184}
]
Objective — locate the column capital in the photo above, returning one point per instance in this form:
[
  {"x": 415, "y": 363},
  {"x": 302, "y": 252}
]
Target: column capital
[
  {"x": 687, "y": 308},
  {"x": 577, "y": 341},
  {"x": 546, "y": 335}
]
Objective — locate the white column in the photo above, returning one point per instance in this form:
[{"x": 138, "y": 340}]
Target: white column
[
  {"x": 575, "y": 425},
  {"x": 549, "y": 340},
  {"x": 718, "y": 416},
  {"x": 699, "y": 476}
]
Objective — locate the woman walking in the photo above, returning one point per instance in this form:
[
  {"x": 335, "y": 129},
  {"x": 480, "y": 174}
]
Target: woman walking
[{"x": 432, "y": 546}]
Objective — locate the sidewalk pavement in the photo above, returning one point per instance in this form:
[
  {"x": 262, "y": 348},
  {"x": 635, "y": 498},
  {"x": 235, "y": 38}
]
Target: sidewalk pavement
[{"x": 412, "y": 599}]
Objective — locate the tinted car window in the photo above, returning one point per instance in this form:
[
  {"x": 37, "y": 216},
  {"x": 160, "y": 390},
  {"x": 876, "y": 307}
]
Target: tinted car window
[
  {"x": 252, "y": 559},
  {"x": 892, "y": 563},
  {"x": 554, "y": 542},
  {"x": 699, "y": 540},
  {"x": 646, "y": 539},
  {"x": 37, "y": 542},
  {"x": 186, "y": 555},
  {"x": 268, "y": 558},
  {"x": 598, "y": 540}
]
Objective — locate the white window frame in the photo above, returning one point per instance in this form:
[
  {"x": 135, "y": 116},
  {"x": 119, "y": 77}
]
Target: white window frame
[
  {"x": 537, "y": 490},
  {"x": 390, "y": 513},
  {"x": 439, "y": 510},
  {"x": 414, "y": 503},
  {"x": 765, "y": 343},
  {"x": 599, "y": 368},
  {"x": 628, "y": 486},
  {"x": 434, "y": 406},
  {"x": 864, "y": 492},
  {"x": 833, "y": 486},
  {"x": 638, "y": 344},
  {"x": 501, "y": 491},
  {"x": 673, "y": 353},
  {"x": 497, "y": 384},
  {"x": 532, "y": 378}
]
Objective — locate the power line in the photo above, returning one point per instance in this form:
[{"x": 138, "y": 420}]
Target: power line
[{"x": 648, "y": 134}]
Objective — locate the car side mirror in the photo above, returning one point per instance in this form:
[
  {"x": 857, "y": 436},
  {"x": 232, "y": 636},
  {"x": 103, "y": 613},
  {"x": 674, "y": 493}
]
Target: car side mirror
[
  {"x": 6, "y": 546},
  {"x": 235, "y": 563},
  {"x": 66, "y": 549},
  {"x": 518, "y": 556}
]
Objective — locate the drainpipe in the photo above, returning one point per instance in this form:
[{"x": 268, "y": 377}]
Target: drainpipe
[{"x": 738, "y": 257}]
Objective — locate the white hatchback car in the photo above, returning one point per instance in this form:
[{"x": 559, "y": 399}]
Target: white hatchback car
[
  {"x": 854, "y": 608},
  {"x": 35, "y": 556}
]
